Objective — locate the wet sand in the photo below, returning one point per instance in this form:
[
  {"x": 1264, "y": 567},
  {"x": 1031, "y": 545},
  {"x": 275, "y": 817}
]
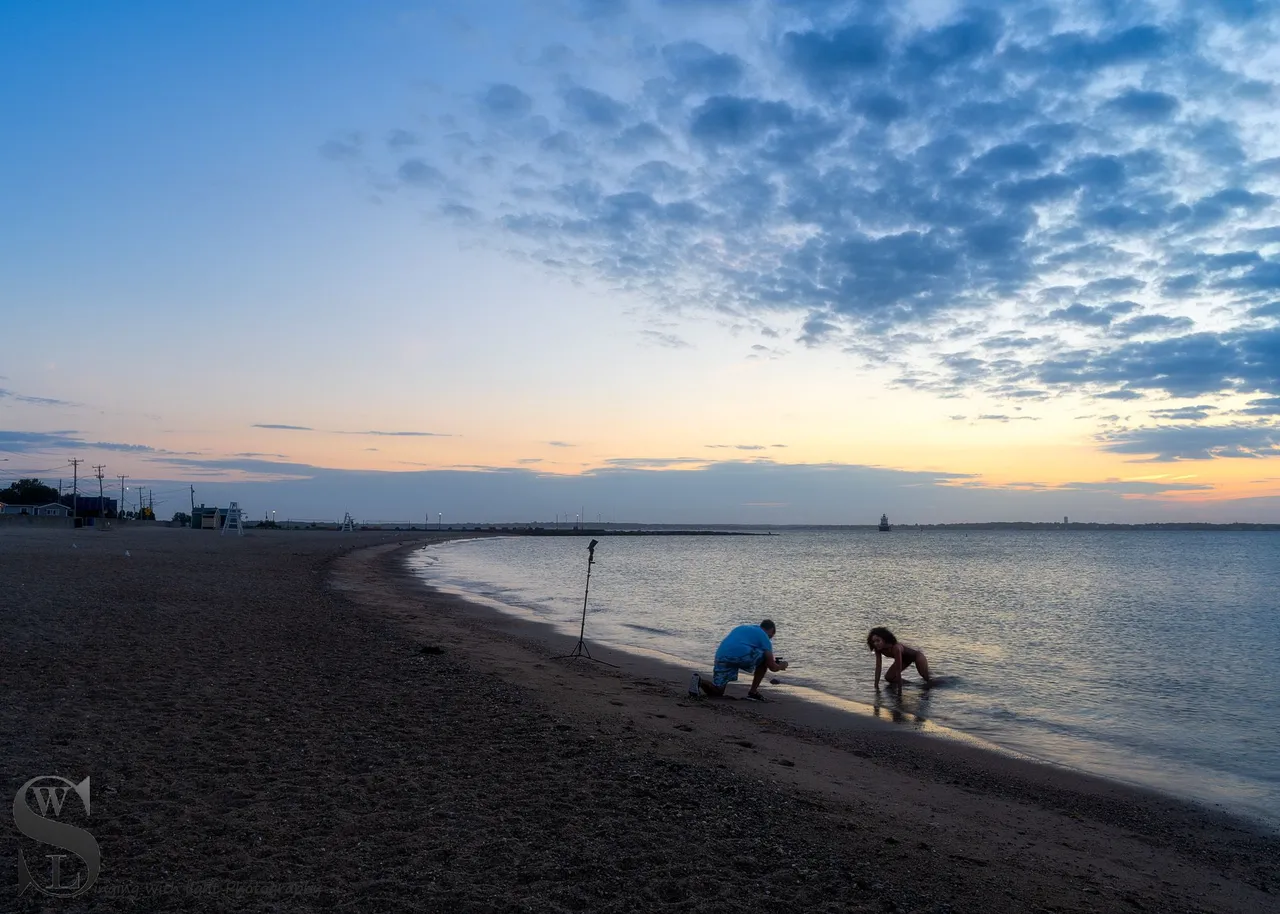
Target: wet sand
[{"x": 290, "y": 721}]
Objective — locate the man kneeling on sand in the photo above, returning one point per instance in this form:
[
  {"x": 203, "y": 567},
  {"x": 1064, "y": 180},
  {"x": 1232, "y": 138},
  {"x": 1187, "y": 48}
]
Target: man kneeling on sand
[{"x": 747, "y": 647}]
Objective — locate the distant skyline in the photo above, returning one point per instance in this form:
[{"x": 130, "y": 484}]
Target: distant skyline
[{"x": 714, "y": 261}]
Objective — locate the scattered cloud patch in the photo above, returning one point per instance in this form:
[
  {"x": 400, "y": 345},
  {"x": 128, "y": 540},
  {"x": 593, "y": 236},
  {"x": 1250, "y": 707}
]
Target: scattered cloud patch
[
  {"x": 1183, "y": 413},
  {"x": 1267, "y": 406},
  {"x": 665, "y": 340},
  {"x": 1130, "y": 487},
  {"x": 30, "y": 442},
  {"x": 1169, "y": 443},
  {"x": 35, "y": 401},
  {"x": 634, "y": 463},
  {"x": 868, "y": 173}
]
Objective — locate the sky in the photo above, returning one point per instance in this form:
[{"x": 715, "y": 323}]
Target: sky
[{"x": 706, "y": 261}]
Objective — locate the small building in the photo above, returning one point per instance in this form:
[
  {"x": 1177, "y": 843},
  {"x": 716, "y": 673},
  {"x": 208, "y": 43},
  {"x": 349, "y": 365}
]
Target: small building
[
  {"x": 50, "y": 510},
  {"x": 208, "y": 517}
]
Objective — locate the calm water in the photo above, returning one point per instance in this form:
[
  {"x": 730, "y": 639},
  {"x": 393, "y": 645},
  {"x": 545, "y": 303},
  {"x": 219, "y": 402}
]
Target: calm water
[{"x": 1150, "y": 657}]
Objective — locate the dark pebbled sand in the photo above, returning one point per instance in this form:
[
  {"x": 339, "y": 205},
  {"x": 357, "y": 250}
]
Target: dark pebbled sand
[{"x": 265, "y": 732}]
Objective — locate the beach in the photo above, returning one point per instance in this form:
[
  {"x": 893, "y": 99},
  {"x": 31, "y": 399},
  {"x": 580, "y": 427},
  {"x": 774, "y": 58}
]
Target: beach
[{"x": 292, "y": 721}]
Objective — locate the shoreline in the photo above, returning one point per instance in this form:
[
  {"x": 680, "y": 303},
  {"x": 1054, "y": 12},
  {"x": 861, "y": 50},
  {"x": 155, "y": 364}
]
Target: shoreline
[
  {"x": 809, "y": 711},
  {"x": 823, "y": 743},
  {"x": 297, "y": 710},
  {"x": 816, "y": 708}
]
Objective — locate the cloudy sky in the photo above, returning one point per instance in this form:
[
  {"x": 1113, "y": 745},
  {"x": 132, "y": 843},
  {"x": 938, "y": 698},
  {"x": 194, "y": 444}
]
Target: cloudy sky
[{"x": 705, "y": 260}]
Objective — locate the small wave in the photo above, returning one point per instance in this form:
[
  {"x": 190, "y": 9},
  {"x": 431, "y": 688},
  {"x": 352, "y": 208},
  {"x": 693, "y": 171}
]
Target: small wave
[{"x": 647, "y": 628}]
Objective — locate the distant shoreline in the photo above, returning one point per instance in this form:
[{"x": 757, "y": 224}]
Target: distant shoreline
[
  {"x": 625, "y": 529},
  {"x": 620, "y": 529}
]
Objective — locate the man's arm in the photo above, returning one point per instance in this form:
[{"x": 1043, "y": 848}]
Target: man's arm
[{"x": 773, "y": 664}]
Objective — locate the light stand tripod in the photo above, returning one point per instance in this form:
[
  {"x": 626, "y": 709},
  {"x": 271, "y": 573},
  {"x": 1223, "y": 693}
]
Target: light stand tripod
[{"x": 580, "y": 649}]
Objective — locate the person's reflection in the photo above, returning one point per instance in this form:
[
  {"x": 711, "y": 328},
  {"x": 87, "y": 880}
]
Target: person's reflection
[{"x": 902, "y": 706}]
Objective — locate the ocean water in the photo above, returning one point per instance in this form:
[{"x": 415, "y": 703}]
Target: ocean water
[{"x": 1149, "y": 657}]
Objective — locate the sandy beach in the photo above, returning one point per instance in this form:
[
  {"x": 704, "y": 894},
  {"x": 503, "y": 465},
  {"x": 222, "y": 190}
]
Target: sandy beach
[{"x": 290, "y": 721}]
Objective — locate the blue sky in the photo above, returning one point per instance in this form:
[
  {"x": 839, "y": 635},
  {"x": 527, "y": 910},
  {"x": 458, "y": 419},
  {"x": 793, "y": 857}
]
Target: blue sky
[{"x": 702, "y": 261}]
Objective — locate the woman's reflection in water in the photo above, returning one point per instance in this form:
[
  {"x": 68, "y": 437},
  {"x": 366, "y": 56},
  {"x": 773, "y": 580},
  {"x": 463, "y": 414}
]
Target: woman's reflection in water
[{"x": 902, "y": 705}]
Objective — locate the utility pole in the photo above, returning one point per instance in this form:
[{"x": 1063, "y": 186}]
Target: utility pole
[
  {"x": 100, "y": 467},
  {"x": 120, "y": 507},
  {"x": 75, "y": 486},
  {"x": 193, "y": 500}
]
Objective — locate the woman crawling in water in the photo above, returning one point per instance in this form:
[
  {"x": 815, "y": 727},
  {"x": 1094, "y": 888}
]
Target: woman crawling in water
[{"x": 882, "y": 642}]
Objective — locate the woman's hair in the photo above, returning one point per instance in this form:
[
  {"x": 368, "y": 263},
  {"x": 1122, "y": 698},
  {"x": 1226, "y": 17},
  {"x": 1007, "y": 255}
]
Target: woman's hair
[{"x": 885, "y": 635}]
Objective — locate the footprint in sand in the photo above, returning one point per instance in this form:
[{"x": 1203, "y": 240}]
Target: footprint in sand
[
  {"x": 685, "y": 727},
  {"x": 618, "y": 703},
  {"x": 745, "y": 744}
]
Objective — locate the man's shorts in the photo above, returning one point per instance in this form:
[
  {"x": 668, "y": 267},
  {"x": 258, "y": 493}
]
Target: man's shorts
[{"x": 726, "y": 671}]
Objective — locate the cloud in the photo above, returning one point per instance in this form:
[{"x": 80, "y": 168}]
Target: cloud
[
  {"x": 34, "y": 401},
  {"x": 1184, "y": 366},
  {"x": 665, "y": 340},
  {"x": 505, "y": 102},
  {"x": 1168, "y": 443},
  {"x": 1183, "y": 413},
  {"x": 593, "y": 108},
  {"x": 385, "y": 434},
  {"x": 653, "y": 462},
  {"x": 863, "y": 171},
  {"x": 1152, "y": 323},
  {"x": 1267, "y": 406},
  {"x": 240, "y": 468},
  {"x": 1135, "y": 487},
  {"x": 673, "y": 490},
  {"x": 1086, "y": 314},
  {"x": 1143, "y": 106},
  {"x": 697, "y": 68},
  {"x": 398, "y": 138},
  {"x": 31, "y": 442},
  {"x": 418, "y": 173},
  {"x": 346, "y": 148}
]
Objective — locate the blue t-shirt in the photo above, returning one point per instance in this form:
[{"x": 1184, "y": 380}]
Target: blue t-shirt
[{"x": 744, "y": 646}]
